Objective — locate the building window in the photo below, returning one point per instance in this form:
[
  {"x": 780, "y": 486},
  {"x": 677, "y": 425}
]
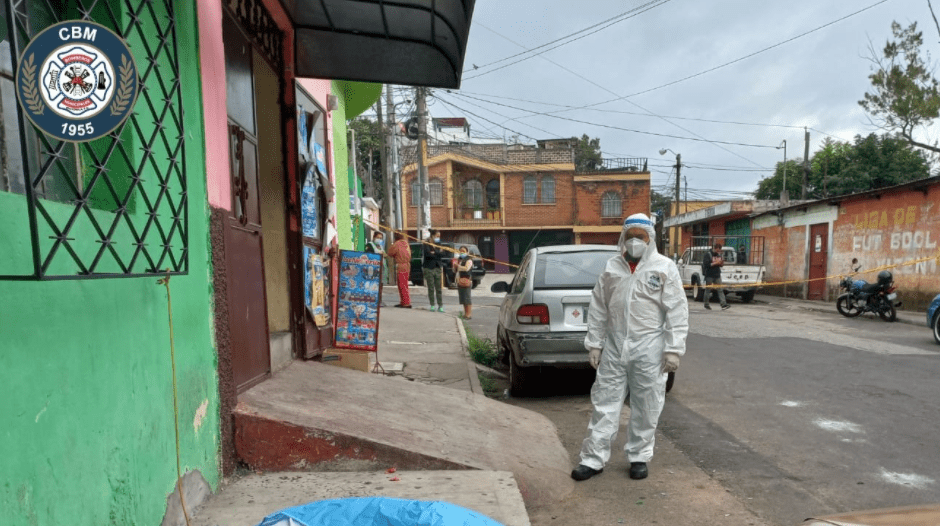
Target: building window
[
  {"x": 548, "y": 189},
  {"x": 492, "y": 194},
  {"x": 611, "y": 205},
  {"x": 529, "y": 189},
  {"x": 473, "y": 194},
  {"x": 436, "y": 188}
]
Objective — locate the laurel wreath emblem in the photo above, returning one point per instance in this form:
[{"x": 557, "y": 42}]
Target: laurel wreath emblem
[
  {"x": 30, "y": 93},
  {"x": 126, "y": 89}
]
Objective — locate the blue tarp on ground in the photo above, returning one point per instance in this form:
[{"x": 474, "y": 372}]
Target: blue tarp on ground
[{"x": 379, "y": 511}]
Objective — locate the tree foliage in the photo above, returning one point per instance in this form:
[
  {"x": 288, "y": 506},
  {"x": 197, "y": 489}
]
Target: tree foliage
[
  {"x": 369, "y": 155},
  {"x": 904, "y": 94},
  {"x": 587, "y": 154},
  {"x": 840, "y": 168}
]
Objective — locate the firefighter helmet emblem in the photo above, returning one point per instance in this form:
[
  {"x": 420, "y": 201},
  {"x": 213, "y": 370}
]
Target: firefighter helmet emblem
[{"x": 77, "y": 81}]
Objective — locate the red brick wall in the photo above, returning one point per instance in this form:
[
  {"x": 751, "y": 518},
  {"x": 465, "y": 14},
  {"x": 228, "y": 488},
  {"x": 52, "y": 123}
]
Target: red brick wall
[
  {"x": 634, "y": 195},
  {"x": 439, "y": 213},
  {"x": 600, "y": 238},
  {"x": 894, "y": 229},
  {"x": 558, "y": 213},
  {"x": 575, "y": 203}
]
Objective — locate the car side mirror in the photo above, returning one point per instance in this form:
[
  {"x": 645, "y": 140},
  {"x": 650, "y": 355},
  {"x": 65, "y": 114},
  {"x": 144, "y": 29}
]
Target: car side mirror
[{"x": 499, "y": 286}]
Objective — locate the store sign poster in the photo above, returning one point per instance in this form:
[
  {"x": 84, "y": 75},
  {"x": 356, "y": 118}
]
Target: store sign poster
[{"x": 359, "y": 294}]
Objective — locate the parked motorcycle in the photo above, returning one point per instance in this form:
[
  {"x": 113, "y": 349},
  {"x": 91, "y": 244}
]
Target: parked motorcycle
[{"x": 861, "y": 297}]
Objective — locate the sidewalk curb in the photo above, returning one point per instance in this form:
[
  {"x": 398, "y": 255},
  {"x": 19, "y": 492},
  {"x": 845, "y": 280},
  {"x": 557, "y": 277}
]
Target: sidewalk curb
[
  {"x": 905, "y": 317},
  {"x": 475, "y": 386}
]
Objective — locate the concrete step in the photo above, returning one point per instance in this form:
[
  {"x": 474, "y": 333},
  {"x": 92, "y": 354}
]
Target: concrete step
[
  {"x": 312, "y": 416},
  {"x": 246, "y": 501}
]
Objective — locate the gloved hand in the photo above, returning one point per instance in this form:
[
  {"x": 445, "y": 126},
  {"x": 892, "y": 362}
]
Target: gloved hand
[
  {"x": 595, "y": 355},
  {"x": 670, "y": 362}
]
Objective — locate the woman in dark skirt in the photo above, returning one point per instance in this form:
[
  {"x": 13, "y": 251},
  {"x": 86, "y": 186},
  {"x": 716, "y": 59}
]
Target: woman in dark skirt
[{"x": 464, "y": 283}]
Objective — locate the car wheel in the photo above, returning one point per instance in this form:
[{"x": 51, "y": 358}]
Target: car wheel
[
  {"x": 698, "y": 293},
  {"x": 671, "y": 379},
  {"x": 747, "y": 296},
  {"x": 519, "y": 377},
  {"x": 476, "y": 283},
  {"x": 936, "y": 327}
]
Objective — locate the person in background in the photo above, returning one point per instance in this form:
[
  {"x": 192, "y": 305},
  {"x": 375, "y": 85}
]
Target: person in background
[
  {"x": 711, "y": 268},
  {"x": 464, "y": 282},
  {"x": 400, "y": 252},
  {"x": 432, "y": 267}
]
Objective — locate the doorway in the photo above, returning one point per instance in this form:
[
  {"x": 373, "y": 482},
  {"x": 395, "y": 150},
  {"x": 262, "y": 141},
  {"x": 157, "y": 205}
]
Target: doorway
[
  {"x": 248, "y": 318},
  {"x": 818, "y": 260}
]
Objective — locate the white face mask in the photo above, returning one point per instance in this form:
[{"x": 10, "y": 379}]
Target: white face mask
[{"x": 636, "y": 248}]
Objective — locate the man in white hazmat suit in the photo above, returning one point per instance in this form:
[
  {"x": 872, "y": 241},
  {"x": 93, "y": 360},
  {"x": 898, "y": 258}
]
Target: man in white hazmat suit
[{"x": 637, "y": 325}]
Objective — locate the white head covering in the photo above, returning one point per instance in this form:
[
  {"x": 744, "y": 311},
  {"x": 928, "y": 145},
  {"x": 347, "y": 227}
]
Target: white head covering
[{"x": 641, "y": 221}]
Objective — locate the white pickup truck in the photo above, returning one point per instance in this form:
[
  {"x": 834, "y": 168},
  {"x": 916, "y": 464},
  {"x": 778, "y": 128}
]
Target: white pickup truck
[{"x": 737, "y": 277}]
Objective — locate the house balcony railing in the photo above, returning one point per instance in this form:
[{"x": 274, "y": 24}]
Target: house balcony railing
[
  {"x": 616, "y": 165},
  {"x": 474, "y": 219}
]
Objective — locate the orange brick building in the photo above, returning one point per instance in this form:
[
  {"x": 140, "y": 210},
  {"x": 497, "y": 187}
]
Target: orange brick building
[{"x": 507, "y": 199}]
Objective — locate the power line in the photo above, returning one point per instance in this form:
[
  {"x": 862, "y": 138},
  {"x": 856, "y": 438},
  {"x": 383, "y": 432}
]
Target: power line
[
  {"x": 778, "y": 44},
  {"x": 451, "y": 104},
  {"x": 624, "y": 112},
  {"x": 612, "y": 20},
  {"x": 697, "y": 138},
  {"x": 506, "y": 117}
]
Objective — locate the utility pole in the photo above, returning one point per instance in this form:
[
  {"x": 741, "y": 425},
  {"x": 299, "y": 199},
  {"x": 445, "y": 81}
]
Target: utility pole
[
  {"x": 784, "y": 196},
  {"x": 388, "y": 161},
  {"x": 805, "y": 165},
  {"x": 424, "y": 203},
  {"x": 678, "y": 189}
]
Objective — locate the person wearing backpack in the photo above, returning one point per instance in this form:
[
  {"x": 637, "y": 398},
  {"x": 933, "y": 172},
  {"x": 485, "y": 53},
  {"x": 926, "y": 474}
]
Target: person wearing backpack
[{"x": 711, "y": 269}]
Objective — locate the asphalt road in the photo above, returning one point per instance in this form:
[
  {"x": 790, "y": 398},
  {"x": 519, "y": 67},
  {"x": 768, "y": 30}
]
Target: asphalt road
[{"x": 778, "y": 414}]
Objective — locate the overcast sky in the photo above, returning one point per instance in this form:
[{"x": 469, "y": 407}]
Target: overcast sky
[{"x": 815, "y": 80}]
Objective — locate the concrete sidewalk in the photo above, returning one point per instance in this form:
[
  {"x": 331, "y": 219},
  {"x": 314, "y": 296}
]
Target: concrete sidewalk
[
  {"x": 424, "y": 346},
  {"x": 316, "y": 431}
]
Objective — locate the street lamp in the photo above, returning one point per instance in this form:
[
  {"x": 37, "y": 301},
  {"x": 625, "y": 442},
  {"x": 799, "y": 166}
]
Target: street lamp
[
  {"x": 678, "y": 166},
  {"x": 784, "y": 196}
]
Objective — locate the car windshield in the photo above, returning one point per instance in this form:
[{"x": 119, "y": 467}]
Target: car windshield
[{"x": 569, "y": 270}]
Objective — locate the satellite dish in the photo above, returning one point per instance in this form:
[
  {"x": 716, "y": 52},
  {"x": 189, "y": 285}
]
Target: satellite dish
[{"x": 411, "y": 128}]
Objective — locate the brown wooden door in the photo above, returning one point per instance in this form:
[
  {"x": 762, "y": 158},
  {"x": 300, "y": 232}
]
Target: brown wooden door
[
  {"x": 818, "y": 260},
  {"x": 248, "y": 322}
]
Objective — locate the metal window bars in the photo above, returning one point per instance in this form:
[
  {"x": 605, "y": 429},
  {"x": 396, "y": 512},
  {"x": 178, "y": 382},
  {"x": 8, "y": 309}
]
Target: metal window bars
[{"x": 125, "y": 210}]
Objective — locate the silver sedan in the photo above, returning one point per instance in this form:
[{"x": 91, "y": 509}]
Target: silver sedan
[{"x": 543, "y": 319}]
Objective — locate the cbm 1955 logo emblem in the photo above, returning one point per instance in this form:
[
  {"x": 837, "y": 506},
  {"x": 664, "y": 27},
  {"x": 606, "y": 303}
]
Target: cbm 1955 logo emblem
[{"x": 77, "y": 81}]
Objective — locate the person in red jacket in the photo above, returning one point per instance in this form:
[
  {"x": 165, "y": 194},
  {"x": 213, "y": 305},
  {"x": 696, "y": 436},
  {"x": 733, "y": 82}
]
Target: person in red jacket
[{"x": 400, "y": 251}]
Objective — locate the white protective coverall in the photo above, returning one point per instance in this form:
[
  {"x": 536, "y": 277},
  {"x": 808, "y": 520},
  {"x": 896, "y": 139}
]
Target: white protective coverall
[{"x": 634, "y": 317}]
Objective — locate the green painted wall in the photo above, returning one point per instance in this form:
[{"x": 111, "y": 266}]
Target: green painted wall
[
  {"x": 87, "y": 435},
  {"x": 360, "y": 96},
  {"x": 341, "y": 165}
]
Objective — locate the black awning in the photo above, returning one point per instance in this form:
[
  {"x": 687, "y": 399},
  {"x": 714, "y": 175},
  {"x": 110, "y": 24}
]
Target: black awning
[{"x": 414, "y": 42}]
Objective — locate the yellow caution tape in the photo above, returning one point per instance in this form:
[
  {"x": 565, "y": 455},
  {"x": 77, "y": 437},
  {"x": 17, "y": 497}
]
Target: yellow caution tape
[{"x": 722, "y": 286}]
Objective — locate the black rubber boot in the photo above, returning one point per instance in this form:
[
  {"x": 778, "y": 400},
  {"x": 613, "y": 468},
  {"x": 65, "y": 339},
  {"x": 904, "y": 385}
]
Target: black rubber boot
[
  {"x": 638, "y": 470},
  {"x": 583, "y": 472}
]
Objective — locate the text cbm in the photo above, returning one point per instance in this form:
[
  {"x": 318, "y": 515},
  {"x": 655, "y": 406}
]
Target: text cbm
[{"x": 78, "y": 32}]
